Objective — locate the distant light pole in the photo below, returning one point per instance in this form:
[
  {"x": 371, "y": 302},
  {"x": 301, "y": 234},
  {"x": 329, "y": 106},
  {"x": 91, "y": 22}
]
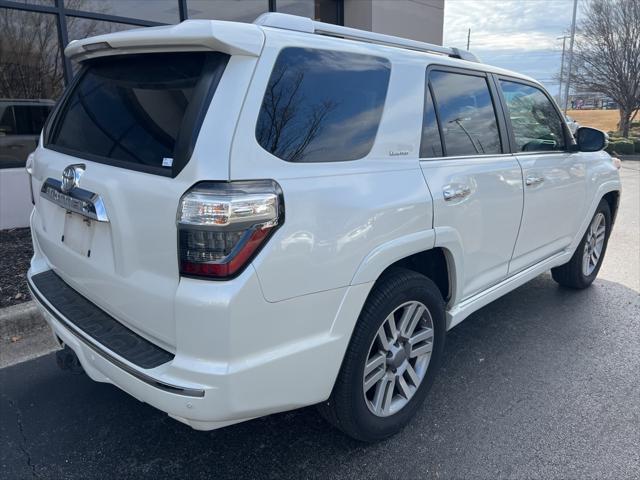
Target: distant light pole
[
  {"x": 564, "y": 42},
  {"x": 468, "y": 39},
  {"x": 573, "y": 35}
]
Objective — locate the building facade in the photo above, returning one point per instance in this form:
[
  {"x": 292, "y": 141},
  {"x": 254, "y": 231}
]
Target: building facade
[{"x": 34, "y": 71}]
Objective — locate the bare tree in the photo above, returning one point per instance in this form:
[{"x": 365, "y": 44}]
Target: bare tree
[
  {"x": 30, "y": 59},
  {"x": 29, "y": 56},
  {"x": 608, "y": 54}
]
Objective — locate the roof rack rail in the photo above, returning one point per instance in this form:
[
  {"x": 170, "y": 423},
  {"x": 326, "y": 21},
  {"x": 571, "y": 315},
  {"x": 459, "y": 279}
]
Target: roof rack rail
[{"x": 307, "y": 25}]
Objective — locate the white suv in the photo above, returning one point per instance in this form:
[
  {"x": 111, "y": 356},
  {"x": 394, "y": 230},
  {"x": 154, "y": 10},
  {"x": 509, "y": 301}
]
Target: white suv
[{"x": 233, "y": 220}]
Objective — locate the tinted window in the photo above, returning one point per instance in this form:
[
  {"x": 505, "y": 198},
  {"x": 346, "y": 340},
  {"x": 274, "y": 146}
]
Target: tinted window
[
  {"x": 322, "y": 106},
  {"x": 535, "y": 121},
  {"x": 430, "y": 145},
  {"x": 137, "y": 111},
  {"x": 466, "y": 114},
  {"x": 30, "y": 118},
  {"x": 8, "y": 122}
]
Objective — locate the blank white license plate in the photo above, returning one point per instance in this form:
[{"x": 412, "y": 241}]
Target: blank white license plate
[{"x": 78, "y": 233}]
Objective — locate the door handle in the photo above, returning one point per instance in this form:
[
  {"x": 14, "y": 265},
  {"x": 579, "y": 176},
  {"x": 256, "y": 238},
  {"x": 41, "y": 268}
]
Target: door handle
[
  {"x": 533, "y": 180},
  {"x": 453, "y": 192}
]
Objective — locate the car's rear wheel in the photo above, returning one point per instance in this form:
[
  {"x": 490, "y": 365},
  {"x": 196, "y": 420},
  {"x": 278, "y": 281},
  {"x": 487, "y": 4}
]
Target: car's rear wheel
[
  {"x": 392, "y": 358},
  {"x": 583, "y": 268}
]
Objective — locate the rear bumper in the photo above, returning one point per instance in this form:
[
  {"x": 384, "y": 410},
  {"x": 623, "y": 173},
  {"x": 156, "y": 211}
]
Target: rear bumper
[
  {"x": 295, "y": 367},
  {"x": 55, "y": 316},
  {"x": 188, "y": 402}
]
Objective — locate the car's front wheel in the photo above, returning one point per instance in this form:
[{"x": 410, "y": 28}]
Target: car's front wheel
[
  {"x": 392, "y": 358},
  {"x": 583, "y": 268}
]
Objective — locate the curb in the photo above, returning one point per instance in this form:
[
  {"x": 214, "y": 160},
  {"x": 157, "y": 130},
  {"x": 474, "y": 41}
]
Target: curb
[{"x": 20, "y": 320}]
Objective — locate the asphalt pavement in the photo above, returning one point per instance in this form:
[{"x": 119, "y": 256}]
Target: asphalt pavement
[{"x": 543, "y": 383}]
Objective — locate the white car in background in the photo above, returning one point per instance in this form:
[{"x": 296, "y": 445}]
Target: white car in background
[
  {"x": 21, "y": 122},
  {"x": 295, "y": 213}
]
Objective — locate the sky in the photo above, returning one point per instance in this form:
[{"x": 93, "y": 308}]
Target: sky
[{"x": 519, "y": 35}]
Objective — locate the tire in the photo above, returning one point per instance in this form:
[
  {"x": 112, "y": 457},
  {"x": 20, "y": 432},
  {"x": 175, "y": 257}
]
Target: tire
[
  {"x": 351, "y": 407},
  {"x": 574, "y": 273}
]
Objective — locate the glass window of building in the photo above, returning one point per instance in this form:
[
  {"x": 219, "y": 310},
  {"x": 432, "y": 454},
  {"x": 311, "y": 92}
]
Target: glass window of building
[
  {"x": 32, "y": 79},
  {"x": 304, "y": 8},
  {"x": 321, "y": 10},
  {"x": 29, "y": 56},
  {"x": 164, "y": 11},
  {"x": 46, "y": 3},
  {"x": 80, "y": 28},
  {"x": 233, "y": 10}
]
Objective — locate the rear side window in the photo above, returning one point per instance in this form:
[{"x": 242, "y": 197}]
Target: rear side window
[
  {"x": 466, "y": 114},
  {"x": 141, "y": 112},
  {"x": 535, "y": 121},
  {"x": 322, "y": 106}
]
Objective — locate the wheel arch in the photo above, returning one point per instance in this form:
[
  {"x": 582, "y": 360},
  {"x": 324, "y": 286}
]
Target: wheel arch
[
  {"x": 609, "y": 191},
  {"x": 433, "y": 264},
  {"x": 613, "y": 199},
  {"x": 419, "y": 252}
]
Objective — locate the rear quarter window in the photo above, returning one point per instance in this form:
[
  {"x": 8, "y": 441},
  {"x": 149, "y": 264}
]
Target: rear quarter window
[{"x": 322, "y": 105}]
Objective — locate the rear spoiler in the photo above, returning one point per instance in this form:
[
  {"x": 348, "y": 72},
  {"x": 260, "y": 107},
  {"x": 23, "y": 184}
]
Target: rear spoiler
[{"x": 191, "y": 35}]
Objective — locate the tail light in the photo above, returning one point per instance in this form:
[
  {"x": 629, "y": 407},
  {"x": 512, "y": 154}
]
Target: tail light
[{"x": 223, "y": 225}]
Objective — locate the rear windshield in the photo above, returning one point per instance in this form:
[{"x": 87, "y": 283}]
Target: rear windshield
[{"x": 141, "y": 112}]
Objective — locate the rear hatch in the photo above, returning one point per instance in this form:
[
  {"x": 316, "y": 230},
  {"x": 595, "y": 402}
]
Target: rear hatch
[{"x": 133, "y": 132}]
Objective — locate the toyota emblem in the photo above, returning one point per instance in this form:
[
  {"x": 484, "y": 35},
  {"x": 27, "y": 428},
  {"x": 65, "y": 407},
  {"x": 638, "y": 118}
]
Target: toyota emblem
[{"x": 70, "y": 177}]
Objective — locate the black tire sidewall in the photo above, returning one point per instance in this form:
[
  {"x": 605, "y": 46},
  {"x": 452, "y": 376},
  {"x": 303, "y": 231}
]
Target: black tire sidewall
[
  {"x": 603, "y": 208},
  {"x": 395, "y": 290}
]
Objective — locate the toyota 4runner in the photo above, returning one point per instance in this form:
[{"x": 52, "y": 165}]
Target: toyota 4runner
[{"x": 233, "y": 220}]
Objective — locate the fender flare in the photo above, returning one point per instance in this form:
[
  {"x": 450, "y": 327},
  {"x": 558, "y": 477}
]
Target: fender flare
[
  {"x": 446, "y": 238},
  {"x": 607, "y": 187},
  {"x": 390, "y": 252},
  {"x": 449, "y": 239}
]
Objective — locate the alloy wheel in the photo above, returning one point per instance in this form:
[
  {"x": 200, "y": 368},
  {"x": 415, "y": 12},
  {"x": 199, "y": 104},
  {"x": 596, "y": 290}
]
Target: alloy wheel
[
  {"x": 594, "y": 244},
  {"x": 398, "y": 359}
]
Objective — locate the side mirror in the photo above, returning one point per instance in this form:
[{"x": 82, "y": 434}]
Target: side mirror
[{"x": 591, "y": 140}]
